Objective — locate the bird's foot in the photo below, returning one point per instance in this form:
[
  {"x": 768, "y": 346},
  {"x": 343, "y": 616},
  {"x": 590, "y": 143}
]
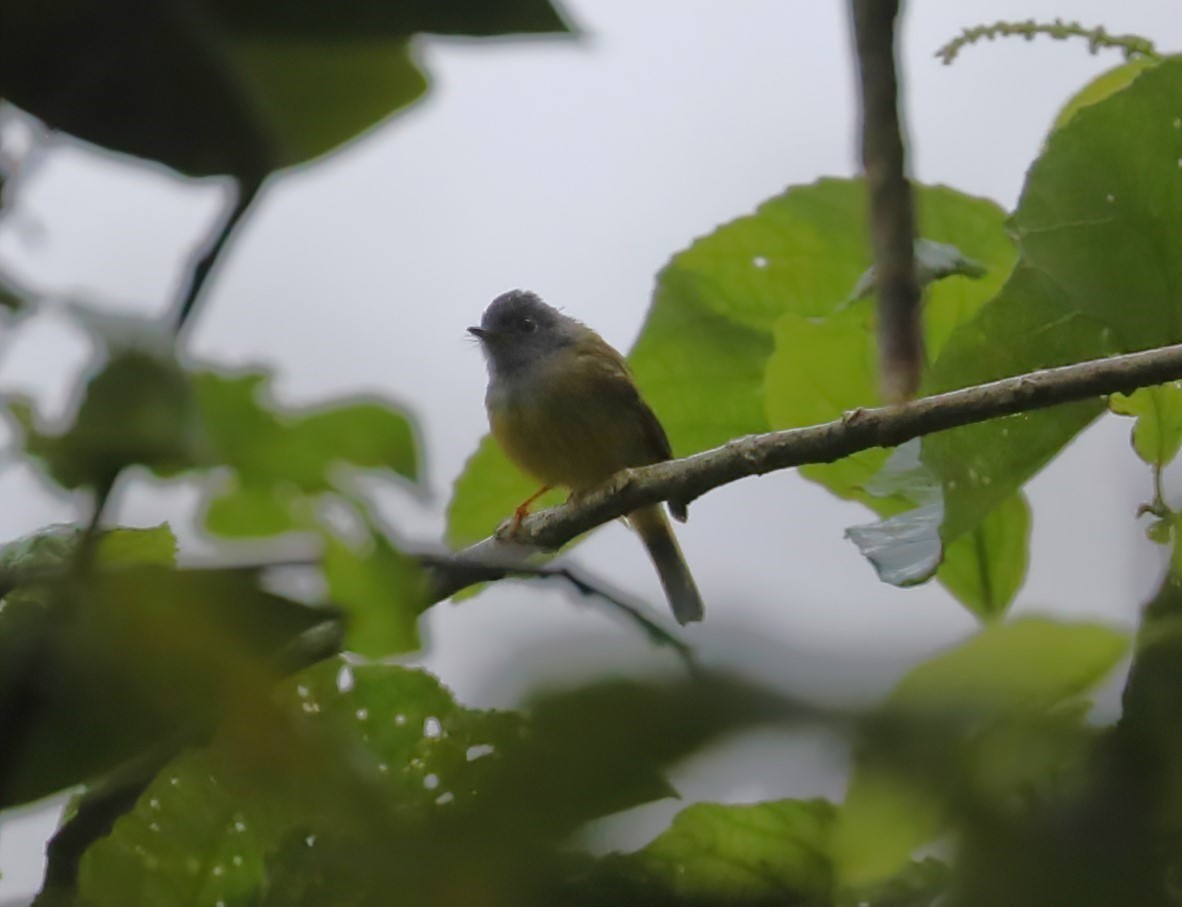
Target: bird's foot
[{"x": 510, "y": 529}]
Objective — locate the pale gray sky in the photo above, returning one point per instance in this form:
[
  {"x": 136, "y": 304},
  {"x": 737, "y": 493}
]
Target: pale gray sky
[{"x": 576, "y": 168}]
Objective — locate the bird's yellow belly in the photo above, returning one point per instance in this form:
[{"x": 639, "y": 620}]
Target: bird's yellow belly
[
  {"x": 563, "y": 436},
  {"x": 555, "y": 445}
]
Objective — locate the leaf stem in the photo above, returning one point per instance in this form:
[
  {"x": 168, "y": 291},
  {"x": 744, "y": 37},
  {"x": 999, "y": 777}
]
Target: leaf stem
[{"x": 204, "y": 262}]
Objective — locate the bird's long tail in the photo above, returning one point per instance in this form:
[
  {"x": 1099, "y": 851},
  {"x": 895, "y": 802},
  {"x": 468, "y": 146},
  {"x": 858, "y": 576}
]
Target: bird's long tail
[{"x": 654, "y": 529}]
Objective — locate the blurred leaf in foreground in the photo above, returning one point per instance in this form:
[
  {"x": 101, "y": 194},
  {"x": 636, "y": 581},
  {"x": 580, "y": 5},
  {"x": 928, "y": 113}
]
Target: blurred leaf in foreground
[
  {"x": 52, "y": 547},
  {"x": 927, "y": 752},
  {"x": 281, "y": 459},
  {"x": 382, "y": 590},
  {"x": 95, "y": 672},
  {"x": 224, "y": 87},
  {"x": 777, "y": 849},
  {"x": 369, "y": 743},
  {"x": 385, "y": 783},
  {"x": 138, "y": 409}
]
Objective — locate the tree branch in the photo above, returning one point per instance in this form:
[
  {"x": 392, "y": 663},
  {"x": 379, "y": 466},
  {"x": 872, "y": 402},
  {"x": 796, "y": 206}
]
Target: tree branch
[
  {"x": 861, "y": 429},
  {"x": 892, "y": 221}
]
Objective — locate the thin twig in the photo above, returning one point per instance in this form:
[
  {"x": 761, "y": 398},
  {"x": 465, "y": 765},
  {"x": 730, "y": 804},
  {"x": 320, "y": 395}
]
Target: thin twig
[
  {"x": 861, "y": 429},
  {"x": 892, "y": 221},
  {"x": 204, "y": 262},
  {"x": 653, "y": 631},
  {"x": 586, "y": 585},
  {"x": 256, "y": 152}
]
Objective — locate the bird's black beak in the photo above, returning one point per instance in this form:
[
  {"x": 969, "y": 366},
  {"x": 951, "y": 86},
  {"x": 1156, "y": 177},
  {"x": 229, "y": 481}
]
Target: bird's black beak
[{"x": 479, "y": 332}]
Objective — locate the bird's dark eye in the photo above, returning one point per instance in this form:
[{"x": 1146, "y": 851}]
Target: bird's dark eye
[{"x": 528, "y": 325}]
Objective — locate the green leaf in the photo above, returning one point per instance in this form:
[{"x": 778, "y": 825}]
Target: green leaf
[
  {"x": 919, "y": 884},
  {"x": 985, "y": 568},
  {"x": 368, "y": 435},
  {"x": 1160, "y": 531},
  {"x": 228, "y": 87},
  {"x": 369, "y": 778},
  {"x": 1157, "y": 433},
  {"x": 1097, "y": 277},
  {"x": 777, "y": 849},
  {"x": 317, "y": 95},
  {"x": 821, "y": 369},
  {"x": 881, "y": 824},
  {"x": 252, "y": 511},
  {"x": 36, "y": 557},
  {"x": 825, "y": 357},
  {"x": 265, "y": 442},
  {"x": 701, "y": 369},
  {"x": 125, "y": 547},
  {"x": 283, "y": 462},
  {"x": 1106, "y": 84},
  {"x": 282, "y": 459},
  {"x": 1099, "y": 205},
  {"x": 1030, "y": 325},
  {"x": 600, "y": 749},
  {"x": 800, "y": 252},
  {"x": 137, "y": 410},
  {"x": 582, "y": 754},
  {"x": 383, "y": 592},
  {"x": 353, "y": 19},
  {"x": 49, "y": 548}
]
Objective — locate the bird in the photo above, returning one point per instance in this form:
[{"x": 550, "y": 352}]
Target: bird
[{"x": 564, "y": 407}]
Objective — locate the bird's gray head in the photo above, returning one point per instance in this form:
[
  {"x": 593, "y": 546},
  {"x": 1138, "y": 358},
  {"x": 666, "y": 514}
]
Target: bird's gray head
[{"x": 518, "y": 329}]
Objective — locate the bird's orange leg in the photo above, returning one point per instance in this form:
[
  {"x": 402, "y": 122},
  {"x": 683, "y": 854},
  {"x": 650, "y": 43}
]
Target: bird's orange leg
[
  {"x": 522, "y": 510},
  {"x": 509, "y": 528}
]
